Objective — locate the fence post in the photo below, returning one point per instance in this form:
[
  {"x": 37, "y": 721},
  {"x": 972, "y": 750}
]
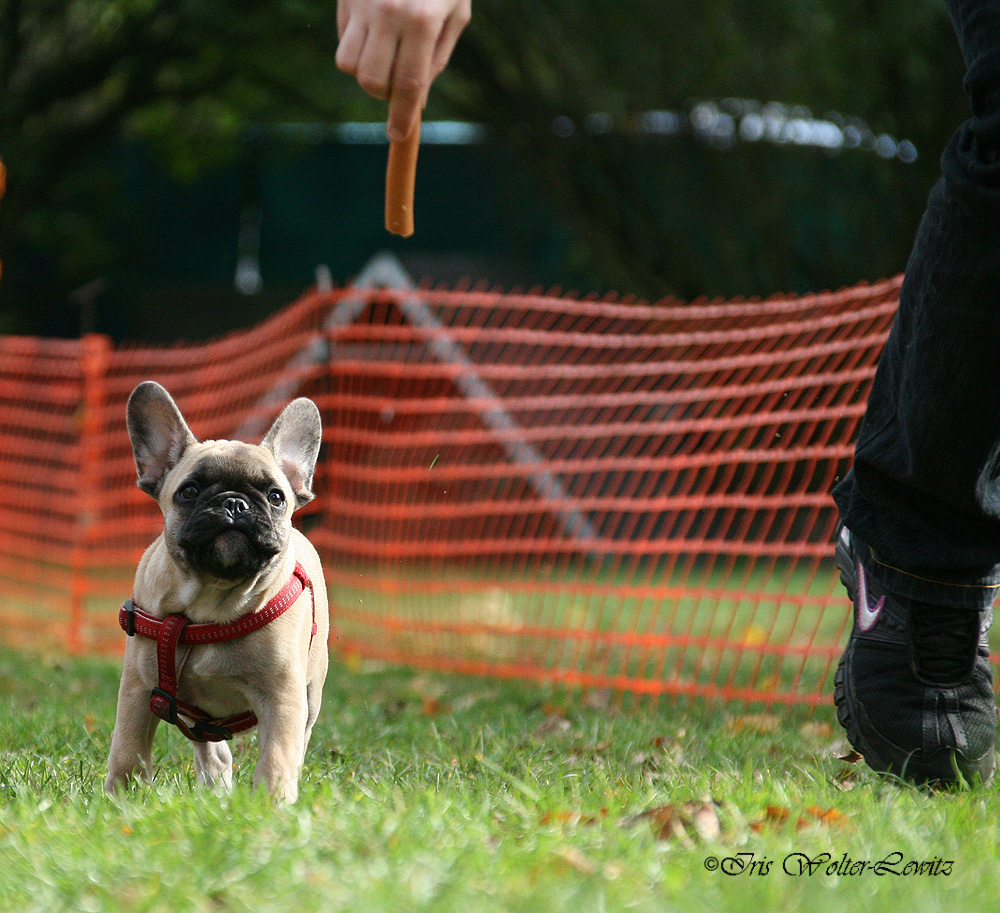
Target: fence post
[{"x": 95, "y": 354}]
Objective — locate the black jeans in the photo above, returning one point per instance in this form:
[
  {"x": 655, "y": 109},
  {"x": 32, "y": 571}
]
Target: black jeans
[{"x": 924, "y": 493}]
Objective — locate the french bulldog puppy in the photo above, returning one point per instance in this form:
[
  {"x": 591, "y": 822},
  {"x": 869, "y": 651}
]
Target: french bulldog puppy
[{"x": 228, "y": 564}]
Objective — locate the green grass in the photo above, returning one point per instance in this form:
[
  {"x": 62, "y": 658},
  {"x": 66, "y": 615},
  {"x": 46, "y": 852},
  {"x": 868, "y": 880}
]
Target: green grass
[{"x": 426, "y": 792}]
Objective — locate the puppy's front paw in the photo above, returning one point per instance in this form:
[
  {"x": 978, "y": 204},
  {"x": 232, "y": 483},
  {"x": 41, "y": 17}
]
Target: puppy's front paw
[
  {"x": 280, "y": 780},
  {"x": 213, "y": 762},
  {"x": 118, "y": 779},
  {"x": 281, "y": 789}
]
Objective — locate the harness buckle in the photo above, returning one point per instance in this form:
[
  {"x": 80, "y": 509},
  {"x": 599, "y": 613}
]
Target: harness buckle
[
  {"x": 210, "y": 732},
  {"x": 129, "y": 608},
  {"x": 167, "y": 713}
]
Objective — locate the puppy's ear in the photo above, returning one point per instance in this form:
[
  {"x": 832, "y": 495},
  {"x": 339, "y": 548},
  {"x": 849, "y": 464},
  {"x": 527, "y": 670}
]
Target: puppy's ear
[
  {"x": 294, "y": 440},
  {"x": 159, "y": 434}
]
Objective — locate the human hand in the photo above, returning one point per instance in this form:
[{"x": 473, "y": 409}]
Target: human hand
[{"x": 397, "y": 48}]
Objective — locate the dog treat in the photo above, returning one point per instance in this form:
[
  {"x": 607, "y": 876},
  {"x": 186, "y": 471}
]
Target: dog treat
[{"x": 400, "y": 180}]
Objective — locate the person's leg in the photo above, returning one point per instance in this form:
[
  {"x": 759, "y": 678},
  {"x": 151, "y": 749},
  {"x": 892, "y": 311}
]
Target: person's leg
[
  {"x": 922, "y": 503},
  {"x": 925, "y": 489}
]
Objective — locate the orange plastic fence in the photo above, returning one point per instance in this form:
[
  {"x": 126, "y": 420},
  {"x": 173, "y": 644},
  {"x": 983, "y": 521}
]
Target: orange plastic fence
[{"x": 602, "y": 493}]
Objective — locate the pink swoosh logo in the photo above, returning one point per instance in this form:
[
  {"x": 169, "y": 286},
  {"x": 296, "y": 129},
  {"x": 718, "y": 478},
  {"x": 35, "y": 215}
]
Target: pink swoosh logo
[{"x": 868, "y": 614}]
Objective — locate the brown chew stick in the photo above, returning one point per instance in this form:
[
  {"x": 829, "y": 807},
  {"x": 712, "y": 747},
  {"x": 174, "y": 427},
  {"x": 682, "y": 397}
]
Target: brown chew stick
[{"x": 400, "y": 180}]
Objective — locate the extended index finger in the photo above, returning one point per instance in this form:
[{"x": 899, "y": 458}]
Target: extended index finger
[{"x": 411, "y": 81}]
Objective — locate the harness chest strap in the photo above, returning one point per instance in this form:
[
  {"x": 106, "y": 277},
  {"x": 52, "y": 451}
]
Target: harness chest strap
[{"x": 176, "y": 630}]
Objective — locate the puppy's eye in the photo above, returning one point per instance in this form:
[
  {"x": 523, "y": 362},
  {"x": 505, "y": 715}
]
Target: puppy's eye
[
  {"x": 276, "y": 497},
  {"x": 189, "y": 492}
]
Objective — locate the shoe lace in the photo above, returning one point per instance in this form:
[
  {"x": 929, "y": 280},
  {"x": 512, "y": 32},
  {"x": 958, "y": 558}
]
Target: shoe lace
[{"x": 944, "y": 644}]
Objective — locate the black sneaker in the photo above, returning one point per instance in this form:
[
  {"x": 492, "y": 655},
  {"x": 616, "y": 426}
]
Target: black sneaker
[{"x": 914, "y": 688}]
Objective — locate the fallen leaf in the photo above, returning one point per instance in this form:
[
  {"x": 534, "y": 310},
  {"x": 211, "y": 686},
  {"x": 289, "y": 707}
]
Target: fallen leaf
[
  {"x": 777, "y": 816},
  {"x": 572, "y": 818},
  {"x": 644, "y": 759},
  {"x": 687, "y": 822},
  {"x": 671, "y": 749},
  {"x": 434, "y": 707},
  {"x": 706, "y": 821},
  {"x": 763, "y": 723},
  {"x": 818, "y": 730},
  {"x": 595, "y": 749},
  {"x": 847, "y": 777},
  {"x": 827, "y": 815},
  {"x": 553, "y": 724},
  {"x": 773, "y": 814},
  {"x": 427, "y": 687},
  {"x": 600, "y": 699},
  {"x": 575, "y": 859}
]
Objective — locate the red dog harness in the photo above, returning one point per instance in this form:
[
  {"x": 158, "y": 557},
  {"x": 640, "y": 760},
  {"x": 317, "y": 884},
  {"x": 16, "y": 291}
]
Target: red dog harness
[{"x": 177, "y": 630}]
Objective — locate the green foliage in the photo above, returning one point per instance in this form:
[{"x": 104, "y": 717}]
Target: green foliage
[
  {"x": 894, "y": 64},
  {"x": 189, "y": 76}
]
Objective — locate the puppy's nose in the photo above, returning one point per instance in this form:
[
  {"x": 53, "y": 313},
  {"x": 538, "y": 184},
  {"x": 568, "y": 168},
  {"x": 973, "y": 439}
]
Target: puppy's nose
[{"x": 235, "y": 506}]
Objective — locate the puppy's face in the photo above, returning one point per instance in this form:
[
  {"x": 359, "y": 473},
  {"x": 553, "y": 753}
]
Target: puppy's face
[
  {"x": 227, "y": 510},
  {"x": 227, "y": 506}
]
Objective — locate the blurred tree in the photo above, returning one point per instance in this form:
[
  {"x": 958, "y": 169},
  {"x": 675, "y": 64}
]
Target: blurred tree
[
  {"x": 648, "y": 215},
  {"x": 525, "y": 66},
  {"x": 186, "y": 74}
]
